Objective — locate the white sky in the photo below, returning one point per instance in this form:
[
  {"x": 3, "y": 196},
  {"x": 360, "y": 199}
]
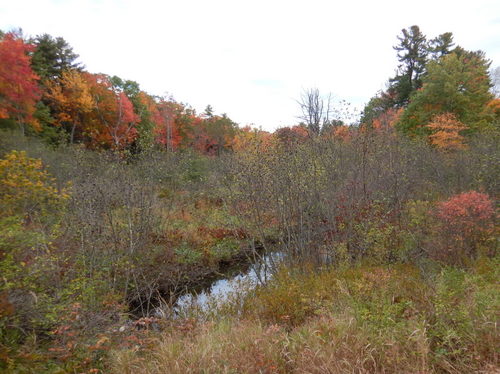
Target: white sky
[{"x": 251, "y": 59}]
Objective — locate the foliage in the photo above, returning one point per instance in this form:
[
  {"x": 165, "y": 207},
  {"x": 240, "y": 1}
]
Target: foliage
[
  {"x": 290, "y": 136},
  {"x": 383, "y": 264},
  {"x": 146, "y": 226},
  {"x": 112, "y": 122},
  {"x": 101, "y": 111},
  {"x": 446, "y": 132},
  {"x": 441, "y": 45},
  {"x": 412, "y": 55},
  {"x": 26, "y": 189},
  {"x": 31, "y": 207},
  {"x": 19, "y": 92},
  {"x": 466, "y": 221},
  {"x": 457, "y": 83},
  {"x": 367, "y": 319},
  {"x": 52, "y": 57},
  {"x": 70, "y": 100}
]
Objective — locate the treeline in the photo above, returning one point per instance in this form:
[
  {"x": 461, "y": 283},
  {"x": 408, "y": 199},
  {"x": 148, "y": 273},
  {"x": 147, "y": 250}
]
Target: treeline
[
  {"x": 440, "y": 92},
  {"x": 45, "y": 91}
]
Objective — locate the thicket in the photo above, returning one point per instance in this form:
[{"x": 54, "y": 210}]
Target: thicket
[
  {"x": 100, "y": 238},
  {"x": 373, "y": 196},
  {"x": 90, "y": 238}
]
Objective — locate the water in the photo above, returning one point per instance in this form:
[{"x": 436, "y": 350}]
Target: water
[{"x": 222, "y": 290}]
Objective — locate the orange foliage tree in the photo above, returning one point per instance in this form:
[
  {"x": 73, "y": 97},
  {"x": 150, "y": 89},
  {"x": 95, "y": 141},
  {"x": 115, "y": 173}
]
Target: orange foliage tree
[
  {"x": 387, "y": 119},
  {"x": 446, "y": 130},
  {"x": 492, "y": 111},
  {"x": 247, "y": 137},
  {"x": 342, "y": 132},
  {"x": 19, "y": 90},
  {"x": 70, "y": 99},
  {"x": 219, "y": 132},
  {"x": 290, "y": 136}
]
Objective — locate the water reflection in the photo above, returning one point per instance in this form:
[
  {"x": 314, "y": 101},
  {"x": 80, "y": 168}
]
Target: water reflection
[{"x": 221, "y": 290}]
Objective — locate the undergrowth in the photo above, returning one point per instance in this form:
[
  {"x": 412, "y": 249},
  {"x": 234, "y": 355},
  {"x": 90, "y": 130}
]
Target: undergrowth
[{"x": 367, "y": 319}]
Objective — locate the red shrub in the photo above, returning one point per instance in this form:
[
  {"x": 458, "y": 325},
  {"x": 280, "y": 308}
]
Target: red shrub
[
  {"x": 468, "y": 211},
  {"x": 465, "y": 220}
]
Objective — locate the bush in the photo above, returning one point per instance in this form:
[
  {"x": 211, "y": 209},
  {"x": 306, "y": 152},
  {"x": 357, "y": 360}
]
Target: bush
[
  {"x": 27, "y": 189},
  {"x": 465, "y": 223}
]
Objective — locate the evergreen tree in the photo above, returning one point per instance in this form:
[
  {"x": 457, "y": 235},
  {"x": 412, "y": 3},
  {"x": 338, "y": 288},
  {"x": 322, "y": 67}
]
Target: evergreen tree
[
  {"x": 377, "y": 105},
  {"x": 209, "y": 111},
  {"x": 412, "y": 55},
  {"x": 441, "y": 45},
  {"x": 52, "y": 56}
]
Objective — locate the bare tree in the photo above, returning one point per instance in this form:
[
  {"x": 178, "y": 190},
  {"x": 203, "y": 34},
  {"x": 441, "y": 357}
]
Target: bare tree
[
  {"x": 495, "y": 81},
  {"x": 315, "y": 109}
]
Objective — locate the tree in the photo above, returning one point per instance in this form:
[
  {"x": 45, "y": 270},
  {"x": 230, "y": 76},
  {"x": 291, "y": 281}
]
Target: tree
[
  {"x": 387, "y": 119},
  {"x": 291, "y": 136},
  {"x": 167, "y": 117},
  {"x": 144, "y": 106},
  {"x": 466, "y": 220},
  {"x": 52, "y": 57},
  {"x": 112, "y": 121},
  {"x": 70, "y": 99},
  {"x": 412, "y": 55},
  {"x": 441, "y": 45},
  {"x": 446, "y": 132},
  {"x": 413, "y": 52},
  {"x": 495, "y": 81},
  {"x": 19, "y": 90},
  {"x": 315, "y": 110},
  {"x": 377, "y": 105},
  {"x": 492, "y": 112},
  {"x": 248, "y": 138},
  {"x": 209, "y": 111},
  {"x": 457, "y": 83},
  {"x": 26, "y": 188},
  {"x": 220, "y": 131}
]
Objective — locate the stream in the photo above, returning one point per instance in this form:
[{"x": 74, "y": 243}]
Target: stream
[{"x": 234, "y": 284}]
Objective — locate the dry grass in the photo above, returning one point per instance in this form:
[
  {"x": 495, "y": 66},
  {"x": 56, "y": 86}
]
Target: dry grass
[{"x": 364, "y": 320}]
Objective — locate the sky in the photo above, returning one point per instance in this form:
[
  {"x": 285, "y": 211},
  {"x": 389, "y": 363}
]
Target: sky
[{"x": 252, "y": 59}]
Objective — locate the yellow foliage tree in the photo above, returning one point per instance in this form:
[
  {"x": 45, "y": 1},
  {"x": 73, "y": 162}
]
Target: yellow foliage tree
[
  {"x": 71, "y": 98},
  {"x": 26, "y": 188}
]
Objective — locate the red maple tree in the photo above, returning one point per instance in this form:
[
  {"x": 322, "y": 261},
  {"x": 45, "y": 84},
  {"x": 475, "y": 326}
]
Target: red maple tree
[{"x": 19, "y": 90}]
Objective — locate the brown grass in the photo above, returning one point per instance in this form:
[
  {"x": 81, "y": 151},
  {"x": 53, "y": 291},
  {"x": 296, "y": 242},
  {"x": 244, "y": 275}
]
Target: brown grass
[{"x": 364, "y": 320}]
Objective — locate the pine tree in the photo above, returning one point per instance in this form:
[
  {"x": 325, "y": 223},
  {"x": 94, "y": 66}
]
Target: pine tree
[
  {"x": 412, "y": 55},
  {"x": 52, "y": 57},
  {"x": 441, "y": 45}
]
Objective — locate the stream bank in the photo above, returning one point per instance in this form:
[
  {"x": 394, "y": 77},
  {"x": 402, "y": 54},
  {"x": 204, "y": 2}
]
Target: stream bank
[{"x": 183, "y": 285}]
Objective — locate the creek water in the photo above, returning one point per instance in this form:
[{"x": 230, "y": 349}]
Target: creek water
[{"x": 229, "y": 285}]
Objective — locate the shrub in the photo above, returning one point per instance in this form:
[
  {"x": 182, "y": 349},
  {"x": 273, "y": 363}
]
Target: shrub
[
  {"x": 465, "y": 223},
  {"x": 26, "y": 188}
]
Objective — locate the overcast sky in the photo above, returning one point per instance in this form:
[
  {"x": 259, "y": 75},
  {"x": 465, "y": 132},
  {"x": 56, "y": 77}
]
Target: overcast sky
[{"x": 251, "y": 59}]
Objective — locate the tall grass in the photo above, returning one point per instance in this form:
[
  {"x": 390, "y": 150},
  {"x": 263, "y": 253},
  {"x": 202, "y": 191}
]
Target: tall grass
[{"x": 369, "y": 319}]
